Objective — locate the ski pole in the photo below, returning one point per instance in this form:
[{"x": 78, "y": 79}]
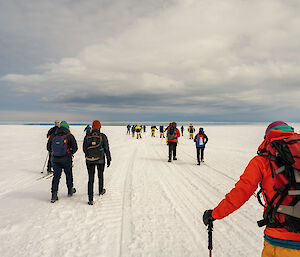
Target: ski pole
[
  {"x": 45, "y": 162},
  {"x": 210, "y": 230}
]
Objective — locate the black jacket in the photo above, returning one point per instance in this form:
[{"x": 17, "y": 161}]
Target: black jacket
[
  {"x": 51, "y": 131},
  {"x": 105, "y": 146},
  {"x": 161, "y": 129},
  {"x": 72, "y": 145}
]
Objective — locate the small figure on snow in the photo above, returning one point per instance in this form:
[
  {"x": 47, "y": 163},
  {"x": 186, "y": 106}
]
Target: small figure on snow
[
  {"x": 172, "y": 135},
  {"x": 87, "y": 129},
  {"x": 200, "y": 140}
]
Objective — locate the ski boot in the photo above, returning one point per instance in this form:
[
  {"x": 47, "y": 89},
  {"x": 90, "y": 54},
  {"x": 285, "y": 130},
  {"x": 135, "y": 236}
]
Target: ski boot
[
  {"x": 198, "y": 163},
  {"x": 90, "y": 202},
  {"x": 174, "y": 158},
  {"x": 71, "y": 191},
  {"x": 102, "y": 192}
]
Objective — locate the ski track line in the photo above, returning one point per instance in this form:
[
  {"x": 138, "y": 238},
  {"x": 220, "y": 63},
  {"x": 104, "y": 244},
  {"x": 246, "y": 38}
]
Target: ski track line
[
  {"x": 167, "y": 191},
  {"x": 242, "y": 215},
  {"x": 214, "y": 169},
  {"x": 222, "y": 193},
  {"x": 184, "y": 204},
  {"x": 187, "y": 199},
  {"x": 125, "y": 235}
]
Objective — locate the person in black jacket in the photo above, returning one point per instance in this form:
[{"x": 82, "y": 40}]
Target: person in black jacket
[
  {"x": 62, "y": 145},
  {"x": 133, "y": 130},
  {"x": 200, "y": 140},
  {"x": 49, "y": 134},
  {"x": 161, "y": 131},
  {"x": 128, "y": 129},
  {"x": 96, "y": 147}
]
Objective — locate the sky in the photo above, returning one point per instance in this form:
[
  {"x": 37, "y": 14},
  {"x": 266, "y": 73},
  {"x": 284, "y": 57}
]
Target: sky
[{"x": 144, "y": 60}]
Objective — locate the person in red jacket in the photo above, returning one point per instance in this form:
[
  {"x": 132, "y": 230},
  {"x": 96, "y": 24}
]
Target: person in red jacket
[
  {"x": 172, "y": 135},
  {"x": 278, "y": 242}
]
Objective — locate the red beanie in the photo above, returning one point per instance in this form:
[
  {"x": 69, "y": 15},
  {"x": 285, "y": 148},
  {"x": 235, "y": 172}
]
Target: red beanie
[{"x": 96, "y": 124}]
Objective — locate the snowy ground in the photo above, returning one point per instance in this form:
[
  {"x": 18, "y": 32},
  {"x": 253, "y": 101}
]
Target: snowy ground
[{"x": 152, "y": 207}]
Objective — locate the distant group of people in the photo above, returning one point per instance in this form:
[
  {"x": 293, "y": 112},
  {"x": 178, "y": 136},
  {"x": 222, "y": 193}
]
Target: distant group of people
[
  {"x": 62, "y": 146},
  {"x": 172, "y": 135},
  {"x": 136, "y": 128}
]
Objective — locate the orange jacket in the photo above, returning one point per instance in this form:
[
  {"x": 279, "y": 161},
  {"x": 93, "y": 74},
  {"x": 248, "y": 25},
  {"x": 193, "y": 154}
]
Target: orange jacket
[{"x": 258, "y": 170}]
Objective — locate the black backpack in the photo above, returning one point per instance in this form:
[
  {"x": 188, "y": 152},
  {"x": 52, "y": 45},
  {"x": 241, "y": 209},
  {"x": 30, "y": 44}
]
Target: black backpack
[
  {"x": 94, "y": 144},
  {"x": 172, "y": 133}
]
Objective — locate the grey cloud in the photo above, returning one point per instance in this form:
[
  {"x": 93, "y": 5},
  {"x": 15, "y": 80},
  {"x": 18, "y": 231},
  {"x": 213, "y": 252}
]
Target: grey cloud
[{"x": 233, "y": 59}]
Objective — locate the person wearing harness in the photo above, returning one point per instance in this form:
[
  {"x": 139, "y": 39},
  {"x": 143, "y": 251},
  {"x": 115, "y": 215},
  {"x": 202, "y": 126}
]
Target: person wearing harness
[
  {"x": 172, "y": 135},
  {"x": 51, "y": 131},
  {"x": 138, "y": 130},
  {"x": 200, "y": 140},
  {"x": 153, "y": 128},
  {"x": 282, "y": 232},
  {"x": 62, "y": 145},
  {"x": 96, "y": 148},
  {"x": 191, "y": 130}
]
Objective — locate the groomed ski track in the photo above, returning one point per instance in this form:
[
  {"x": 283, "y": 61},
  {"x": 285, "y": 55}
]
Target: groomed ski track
[{"x": 151, "y": 208}]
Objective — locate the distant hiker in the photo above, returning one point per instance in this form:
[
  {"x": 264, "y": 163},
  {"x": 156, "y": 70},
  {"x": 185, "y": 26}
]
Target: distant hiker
[
  {"x": 96, "y": 150},
  {"x": 191, "y": 130},
  {"x": 172, "y": 135},
  {"x": 182, "y": 128},
  {"x": 133, "y": 130},
  {"x": 200, "y": 140},
  {"x": 87, "y": 129},
  {"x": 138, "y": 130},
  {"x": 276, "y": 170},
  {"x": 49, "y": 134},
  {"x": 153, "y": 128},
  {"x": 62, "y": 145},
  {"x": 144, "y": 127},
  {"x": 161, "y": 131},
  {"x": 128, "y": 129}
]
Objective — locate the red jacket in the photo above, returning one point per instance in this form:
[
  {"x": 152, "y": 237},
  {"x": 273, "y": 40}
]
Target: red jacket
[
  {"x": 177, "y": 133},
  {"x": 258, "y": 170}
]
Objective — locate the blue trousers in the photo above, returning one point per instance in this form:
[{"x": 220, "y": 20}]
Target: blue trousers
[{"x": 57, "y": 170}]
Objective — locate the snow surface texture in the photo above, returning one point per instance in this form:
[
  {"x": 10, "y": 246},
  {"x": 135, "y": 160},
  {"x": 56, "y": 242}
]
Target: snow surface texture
[{"x": 151, "y": 208}]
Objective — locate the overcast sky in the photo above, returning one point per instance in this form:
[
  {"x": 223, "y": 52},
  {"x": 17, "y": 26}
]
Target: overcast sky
[{"x": 142, "y": 60}]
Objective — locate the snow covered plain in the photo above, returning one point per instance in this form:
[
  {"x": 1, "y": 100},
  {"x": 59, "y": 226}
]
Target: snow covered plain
[{"x": 151, "y": 208}]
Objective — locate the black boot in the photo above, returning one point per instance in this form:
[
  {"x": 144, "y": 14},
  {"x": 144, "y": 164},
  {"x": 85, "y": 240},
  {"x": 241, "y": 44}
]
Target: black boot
[
  {"x": 54, "y": 197},
  {"x": 71, "y": 191},
  {"x": 102, "y": 192},
  {"x": 91, "y": 202},
  {"x": 174, "y": 158}
]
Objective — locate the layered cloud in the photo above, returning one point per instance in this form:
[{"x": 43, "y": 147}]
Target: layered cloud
[{"x": 220, "y": 58}]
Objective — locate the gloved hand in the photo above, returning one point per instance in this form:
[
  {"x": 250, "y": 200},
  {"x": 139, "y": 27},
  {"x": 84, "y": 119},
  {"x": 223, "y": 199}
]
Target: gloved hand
[
  {"x": 207, "y": 217},
  {"x": 108, "y": 163}
]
